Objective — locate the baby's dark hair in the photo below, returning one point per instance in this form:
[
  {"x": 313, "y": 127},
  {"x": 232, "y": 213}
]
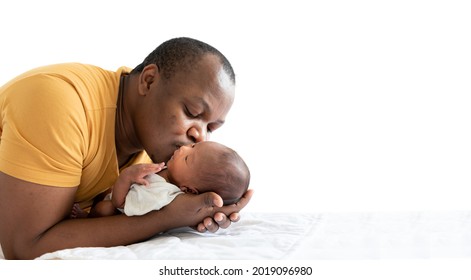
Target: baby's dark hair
[
  {"x": 227, "y": 174},
  {"x": 180, "y": 54}
]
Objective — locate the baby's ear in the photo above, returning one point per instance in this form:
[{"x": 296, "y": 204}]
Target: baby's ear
[{"x": 189, "y": 190}]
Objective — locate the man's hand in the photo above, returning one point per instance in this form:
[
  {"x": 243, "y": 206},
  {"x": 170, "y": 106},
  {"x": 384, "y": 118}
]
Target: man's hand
[
  {"x": 206, "y": 208},
  {"x": 225, "y": 216}
]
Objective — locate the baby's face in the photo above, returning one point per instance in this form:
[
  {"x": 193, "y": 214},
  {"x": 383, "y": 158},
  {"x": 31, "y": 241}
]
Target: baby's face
[{"x": 186, "y": 163}]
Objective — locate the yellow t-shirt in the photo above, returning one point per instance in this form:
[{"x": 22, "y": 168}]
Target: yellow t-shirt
[{"x": 57, "y": 128}]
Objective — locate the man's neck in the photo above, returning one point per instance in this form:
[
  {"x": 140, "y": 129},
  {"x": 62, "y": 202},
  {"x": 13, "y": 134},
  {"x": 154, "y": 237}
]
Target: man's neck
[{"x": 125, "y": 137}]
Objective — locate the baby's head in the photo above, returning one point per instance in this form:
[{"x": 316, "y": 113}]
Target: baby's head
[{"x": 209, "y": 166}]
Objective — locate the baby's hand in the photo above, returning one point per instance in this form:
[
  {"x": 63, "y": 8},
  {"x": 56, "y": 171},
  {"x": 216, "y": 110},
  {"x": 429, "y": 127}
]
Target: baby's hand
[
  {"x": 135, "y": 174},
  {"x": 130, "y": 175}
]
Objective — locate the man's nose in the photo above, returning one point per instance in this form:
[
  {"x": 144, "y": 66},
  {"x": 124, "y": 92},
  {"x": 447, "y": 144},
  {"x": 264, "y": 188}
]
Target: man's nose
[{"x": 197, "y": 134}]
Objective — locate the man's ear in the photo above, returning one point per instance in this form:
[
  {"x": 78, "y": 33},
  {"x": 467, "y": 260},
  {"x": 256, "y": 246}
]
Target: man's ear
[{"x": 148, "y": 76}]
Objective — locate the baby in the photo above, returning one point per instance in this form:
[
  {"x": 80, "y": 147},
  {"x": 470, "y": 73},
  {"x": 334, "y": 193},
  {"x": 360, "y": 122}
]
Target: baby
[{"x": 196, "y": 168}]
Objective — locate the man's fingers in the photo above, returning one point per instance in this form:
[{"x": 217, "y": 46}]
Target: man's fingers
[
  {"x": 211, "y": 199},
  {"x": 226, "y": 215},
  {"x": 245, "y": 199},
  {"x": 210, "y": 225},
  {"x": 236, "y": 207},
  {"x": 222, "y": 220},
  {"x": 234, "y": 217},
  {"x": 200, "y": 227}
]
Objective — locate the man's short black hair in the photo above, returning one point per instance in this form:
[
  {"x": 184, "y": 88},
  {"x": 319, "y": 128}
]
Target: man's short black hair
[{"x": 180, "y": 54}]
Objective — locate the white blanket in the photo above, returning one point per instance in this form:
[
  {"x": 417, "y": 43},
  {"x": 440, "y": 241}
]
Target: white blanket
[{"x": 281, "y": 236}]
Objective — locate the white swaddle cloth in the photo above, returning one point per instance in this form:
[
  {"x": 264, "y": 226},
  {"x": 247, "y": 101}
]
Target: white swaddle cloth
[{"x": 143, "y": 199}]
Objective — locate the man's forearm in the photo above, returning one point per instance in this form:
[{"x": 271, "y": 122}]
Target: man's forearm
[{"x": 110, "y": 231}]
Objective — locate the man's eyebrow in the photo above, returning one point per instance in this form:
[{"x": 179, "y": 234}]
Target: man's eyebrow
[
  {"x": 200, "y": 100},
  {"x": 206, "y": 108}
]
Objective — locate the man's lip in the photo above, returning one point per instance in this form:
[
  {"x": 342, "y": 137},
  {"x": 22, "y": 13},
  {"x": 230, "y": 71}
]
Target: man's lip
[
  {"x": 174, "y": 152},
  {"x": 179, "y": 145}
]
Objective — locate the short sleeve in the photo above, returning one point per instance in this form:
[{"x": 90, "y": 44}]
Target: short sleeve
[{"x": 44, "y": 131}]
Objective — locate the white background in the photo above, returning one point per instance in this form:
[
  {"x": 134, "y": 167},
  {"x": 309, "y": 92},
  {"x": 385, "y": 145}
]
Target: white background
[{"x": 340, "y": 106}]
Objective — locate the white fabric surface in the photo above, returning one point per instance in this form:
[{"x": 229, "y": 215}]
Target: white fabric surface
[
  {"x": 143, "y": 199},
  {"x": 344, "y": 236}
]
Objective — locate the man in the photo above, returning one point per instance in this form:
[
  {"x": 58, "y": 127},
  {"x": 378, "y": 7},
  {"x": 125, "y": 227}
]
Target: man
[{"x": 67, "y": 129}]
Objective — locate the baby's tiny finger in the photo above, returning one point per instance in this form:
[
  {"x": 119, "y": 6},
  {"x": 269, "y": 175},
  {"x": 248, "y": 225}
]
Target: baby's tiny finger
[{"x": 142, "y": 182}]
